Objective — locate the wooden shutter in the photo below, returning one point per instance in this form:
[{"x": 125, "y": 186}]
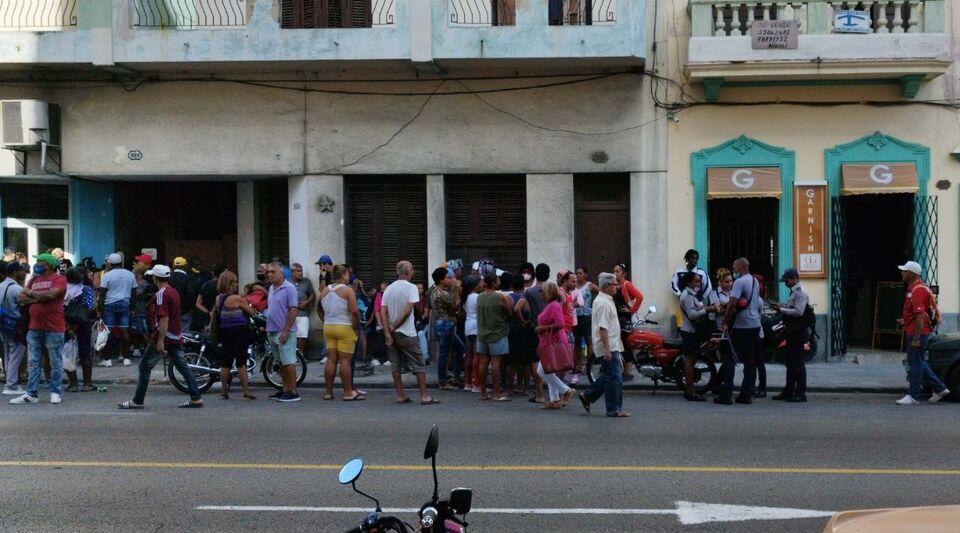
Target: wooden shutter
[
  {"x": 273, "y": 222},
  {"x": 346, "y": 13},
  {"x": 298, "y": 14},
  {"x": 487, "y": 219},
  {"x": 386, "y": 222}
]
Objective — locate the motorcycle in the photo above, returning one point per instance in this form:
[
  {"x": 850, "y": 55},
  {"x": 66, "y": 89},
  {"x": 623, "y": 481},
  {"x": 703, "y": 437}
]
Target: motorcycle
[
  {"x": 200, "y": 353},
  {"x": 436, "y": 516},
  {"x": 662, "y": 360},
  {"x": 775, "y": 335}
]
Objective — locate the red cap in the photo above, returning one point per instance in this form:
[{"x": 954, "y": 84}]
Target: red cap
[{"x": 145, "y": 259}]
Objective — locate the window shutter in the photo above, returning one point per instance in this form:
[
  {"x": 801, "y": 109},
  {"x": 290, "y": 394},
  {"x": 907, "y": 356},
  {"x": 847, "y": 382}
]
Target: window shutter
[
  {"x": 295, "y": 14},
  {"x": 346, "y": 13},
  {"x": 487, "y": 219}
]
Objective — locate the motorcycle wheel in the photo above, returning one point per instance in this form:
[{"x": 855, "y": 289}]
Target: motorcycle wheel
[
  {"x": 704, "y": 371},
  {"x": 204, "y": 380},
  {"x": 808, "y": 356},
  {"x": 390, "y": 524},
  {"x": 271, "y": 371}
]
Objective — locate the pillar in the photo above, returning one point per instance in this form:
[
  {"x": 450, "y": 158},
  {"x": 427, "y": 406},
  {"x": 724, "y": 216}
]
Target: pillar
[
  {"x": 247, "y": 252},
  {"x": 316, "y": 220},
  {"x": 436, "y": 224},
  {"x": 650, "y": 268},
  {"x": 550, "y": 220}
]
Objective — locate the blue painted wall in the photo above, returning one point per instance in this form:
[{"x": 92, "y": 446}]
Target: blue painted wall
[{"x": 92, "y": 220}]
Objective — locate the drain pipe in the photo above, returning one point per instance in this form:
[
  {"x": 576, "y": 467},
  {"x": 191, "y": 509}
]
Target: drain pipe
[{"x": 43, "y": 163}]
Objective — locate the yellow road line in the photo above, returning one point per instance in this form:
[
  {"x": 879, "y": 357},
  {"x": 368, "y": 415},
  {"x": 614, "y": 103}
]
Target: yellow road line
[{"x": 492, "y": 468}]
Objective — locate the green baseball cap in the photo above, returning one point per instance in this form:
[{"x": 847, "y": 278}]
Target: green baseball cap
[{"x": 48, "y": 259}]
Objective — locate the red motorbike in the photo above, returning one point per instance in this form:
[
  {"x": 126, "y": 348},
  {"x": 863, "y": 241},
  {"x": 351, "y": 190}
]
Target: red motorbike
[{"x": 662, "y": 360}]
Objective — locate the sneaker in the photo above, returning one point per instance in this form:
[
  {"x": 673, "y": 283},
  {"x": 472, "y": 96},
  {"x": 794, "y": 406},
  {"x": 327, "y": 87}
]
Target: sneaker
[
  {"x": 26, "y": 398},
  {"x": 323, "y": 361},
  {"x": 937, "y": 396},
  {"x": 55, "y": 398},
  {"x": 374, "y": 363},
  {"x": 106, "y": 363},
  {"x": 386, "y": 363},
  {"x": 907, "y": 400},
  {"x": 127, "y": 362},
  {"x": 277, "y": 394},
  {"x": 16, "y": 390},
  {"x": 136, "y": 353},
  {"x": 289, "y": 397}
]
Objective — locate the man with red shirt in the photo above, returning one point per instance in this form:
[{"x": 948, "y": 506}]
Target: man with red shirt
[
  {"x": 919, "y": 309},
  {"x": 165, "y": 340},
  {"x": 44, "y": 294}
]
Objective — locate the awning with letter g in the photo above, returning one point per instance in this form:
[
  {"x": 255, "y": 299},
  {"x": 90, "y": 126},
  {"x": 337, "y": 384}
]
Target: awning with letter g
[
  {"x": 879, "y": 178},
  {"x": 743, "y": 182}
]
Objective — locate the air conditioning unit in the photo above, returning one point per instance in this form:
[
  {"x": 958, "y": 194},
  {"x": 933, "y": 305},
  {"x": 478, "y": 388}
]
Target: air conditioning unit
[{"x": 24, "y": 123}]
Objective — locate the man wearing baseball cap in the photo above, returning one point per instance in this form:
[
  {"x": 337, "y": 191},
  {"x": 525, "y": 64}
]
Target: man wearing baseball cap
[
  {"x": 44, "y": 294},
  {"x": 119, "y": 284},
  {"x": 143, "y": 259},
  {"x": 920, "y": 314},
  {"x": 166, "y": 340},
  {"x": 793, "y": 312}
]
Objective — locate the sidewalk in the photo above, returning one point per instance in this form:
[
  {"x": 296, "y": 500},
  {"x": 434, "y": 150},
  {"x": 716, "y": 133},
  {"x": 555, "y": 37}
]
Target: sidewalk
[{"x": 821, "y": 377}]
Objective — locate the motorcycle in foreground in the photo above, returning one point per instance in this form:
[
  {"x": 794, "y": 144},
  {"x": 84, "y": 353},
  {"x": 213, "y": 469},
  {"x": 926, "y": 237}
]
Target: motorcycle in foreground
[
  {"x": 200, "y": 353},
  {"x": 436, "y": 516},
  {"x": 662, "y": 360}
]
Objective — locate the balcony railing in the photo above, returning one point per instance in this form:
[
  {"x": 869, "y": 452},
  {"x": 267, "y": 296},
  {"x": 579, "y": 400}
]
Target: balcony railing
[
  {"x": 559, "y": 13},
  {"x": 583, "y": 12},
  {"x": 719, "y": 19},
  {"x": 188, "y": 14},
  {"x": 482, "y": 12},
  {"x": 37, "y": 15}
]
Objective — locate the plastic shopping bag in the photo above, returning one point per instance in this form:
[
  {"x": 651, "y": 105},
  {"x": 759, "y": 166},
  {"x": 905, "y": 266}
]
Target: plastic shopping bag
[
  {"x": 103, "y": 335},
  {"x": 69, "y": 355}
]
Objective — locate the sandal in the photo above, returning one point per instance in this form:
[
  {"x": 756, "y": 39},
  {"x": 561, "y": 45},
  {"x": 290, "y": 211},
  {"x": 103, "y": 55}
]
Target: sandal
[
  {"x": 430, "y": 401},
  {"x": 484, "y": 397},
  {"x": 327, "y": 396},
  {"x": 503, "y": 399},
  {"x": 88, "y": 388},
  {"x": 354, "y": 398},
  {"x": 565, "y": 399},
  {"x": 249, "y": 397},
  {"x": 129, "y": 405},
  {"x": 405, "y": 400},
  {"x": 224, "y": 396},
  {"x": 552, "y": 406}
]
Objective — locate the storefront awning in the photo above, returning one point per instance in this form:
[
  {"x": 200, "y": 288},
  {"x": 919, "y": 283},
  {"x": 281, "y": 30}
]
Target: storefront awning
[
  {"x": 743, "y": 182},
  {"x": 879, "y": 178}
]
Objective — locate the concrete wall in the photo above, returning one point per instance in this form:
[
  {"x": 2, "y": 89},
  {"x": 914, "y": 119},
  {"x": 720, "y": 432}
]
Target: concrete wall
[
  {"x": 92, "y": 220},
  {"x": 551, "y": 220}
]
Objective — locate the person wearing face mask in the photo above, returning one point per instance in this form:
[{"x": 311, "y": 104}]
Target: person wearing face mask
[
  {"x": 44, "y": 294},
  {"x": 719, "y": 297},
  {"x": 527, "y": 272},
  {"x": 691, "y": 309}
]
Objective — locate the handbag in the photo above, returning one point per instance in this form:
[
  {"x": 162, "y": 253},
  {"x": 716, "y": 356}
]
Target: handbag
[
  {"x": 555, "y": 357},
  {"x": 8, "y": 323},
  {"x": 76, "y": 312},
  {"x": 213, "y": 329}
]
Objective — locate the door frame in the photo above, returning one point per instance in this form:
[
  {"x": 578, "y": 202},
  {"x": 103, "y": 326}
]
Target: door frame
[
  {"x": 744, "y": 151},
  {"x": 32, "y": 225},
  {"x": 599, "y": 206}
]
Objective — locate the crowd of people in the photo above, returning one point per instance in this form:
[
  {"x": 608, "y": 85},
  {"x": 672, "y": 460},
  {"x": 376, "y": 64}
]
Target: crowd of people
[{"x": 484, "y": 327}]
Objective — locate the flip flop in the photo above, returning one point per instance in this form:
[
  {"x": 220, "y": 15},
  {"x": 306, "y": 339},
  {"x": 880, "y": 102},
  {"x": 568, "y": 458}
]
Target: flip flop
[
  {"x": 249, "y": 397},
  {"x": 191, "y": 405},
  {"x": 129, "y": 405},
  {"x": 551, "y": 406},
  {"x": 503, "y": 399},
  {"x": 431, "y": 401},
  {"x": 327, "y": 396},
  {"x": 405, "y": 400},
  {"x": 485, "y": 398},
  {"x": 355, "y": 398}
]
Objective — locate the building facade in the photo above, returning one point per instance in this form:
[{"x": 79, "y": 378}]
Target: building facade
[{"x": 570, "y": 132}]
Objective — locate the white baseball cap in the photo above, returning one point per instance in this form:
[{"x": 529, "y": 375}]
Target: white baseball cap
[
  {"x": 160, "y": 271},
  {"x": 911, "y": 266},
  {"x": 114, "y": 259}
]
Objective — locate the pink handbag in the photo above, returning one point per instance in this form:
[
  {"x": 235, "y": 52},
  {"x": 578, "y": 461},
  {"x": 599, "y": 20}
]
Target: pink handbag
[{"x": 555, "y": 357}]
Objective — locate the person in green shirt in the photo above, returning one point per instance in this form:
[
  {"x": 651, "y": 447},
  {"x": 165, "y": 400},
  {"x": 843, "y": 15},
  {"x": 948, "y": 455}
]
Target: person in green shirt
[{"x": 493, "y": 311}]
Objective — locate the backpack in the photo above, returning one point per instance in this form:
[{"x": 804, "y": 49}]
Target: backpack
[
  {"x": 8, "y": 323},
  {"x": 933, "y": 312}
]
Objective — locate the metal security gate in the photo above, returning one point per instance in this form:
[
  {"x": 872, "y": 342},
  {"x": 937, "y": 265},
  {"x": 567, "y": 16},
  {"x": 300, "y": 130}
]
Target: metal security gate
[
  {"x": 487, "y": 219},
  {"x": 386, "y": 221},
  {"x": 925, "y": 237},
  {"x": 838, "y": 277}
]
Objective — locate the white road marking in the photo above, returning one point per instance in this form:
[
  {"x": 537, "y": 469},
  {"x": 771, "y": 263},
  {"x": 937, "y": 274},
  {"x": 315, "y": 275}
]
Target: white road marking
[{"x": 686, "y": 512}]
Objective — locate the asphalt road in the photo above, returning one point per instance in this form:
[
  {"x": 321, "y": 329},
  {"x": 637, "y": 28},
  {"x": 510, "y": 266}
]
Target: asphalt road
[{"x": 85, "y": 466}]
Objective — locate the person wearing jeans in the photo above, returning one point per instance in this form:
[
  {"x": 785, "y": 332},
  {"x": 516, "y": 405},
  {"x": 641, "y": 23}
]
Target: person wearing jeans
[
  {"x": 608, "y": 345},
  {"x": 919, "y": 308},
  {"x": 742, "y": 321},
  {"x": 14, "y": 350},
  {"x": 445, "y": 302},
  {"x": 44, "y": 294}
]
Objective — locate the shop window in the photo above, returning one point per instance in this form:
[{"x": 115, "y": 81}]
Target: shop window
[{"x": 745, "y": 227}]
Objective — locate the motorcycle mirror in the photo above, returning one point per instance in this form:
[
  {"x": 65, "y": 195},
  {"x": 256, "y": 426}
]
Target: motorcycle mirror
[
  {"x": 433, "y": 443},
  {"x": 652, "y": 309},
  {"x": 460, "y": 500},
  {"x": 351, "y": 471}
]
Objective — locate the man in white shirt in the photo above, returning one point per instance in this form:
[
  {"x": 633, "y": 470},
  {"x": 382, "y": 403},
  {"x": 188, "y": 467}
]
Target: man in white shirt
[
  {"x": 607, "y": 345},
  {"x": 119, "y": 284},
  {"x": 400, "y": 332}
]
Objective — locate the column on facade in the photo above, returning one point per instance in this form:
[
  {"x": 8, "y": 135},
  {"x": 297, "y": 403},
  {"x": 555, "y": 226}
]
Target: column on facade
[
  {"x": 436, "y": 224},
  {"x": 551, "y": 220},
  {"x": 247, "y": 252},
  {"x": 648, "y": 238}
]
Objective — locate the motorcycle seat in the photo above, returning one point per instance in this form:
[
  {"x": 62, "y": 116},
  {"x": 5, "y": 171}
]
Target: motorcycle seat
[{"x": 672, "y": 344}]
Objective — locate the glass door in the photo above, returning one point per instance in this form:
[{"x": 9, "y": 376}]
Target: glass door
[{"x": 33, "y": 238}]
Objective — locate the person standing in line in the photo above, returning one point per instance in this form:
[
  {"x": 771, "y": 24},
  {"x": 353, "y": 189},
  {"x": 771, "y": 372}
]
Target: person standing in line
[
  {"x": 743, "y": 321},
  {"x": 919, "y": 315},
  {"x": 608, "y": 345},
  {"x": 581, "y": 332},
  {"x": 119, "y": 284},
  {"x": 282, "y": 309},
  {"x": 166, "y": 341},
  {"x": 14, "y": 350},
  {"x": 793, "y": 311},
  {"x": 551, "y": 328},
  {"x": 528, "y": 273},
  {"x": 400, "y": 332},
  {"x": 341, "y": 316},
  {"x": 493, "y": 310},
  {"x": 691, "y": 308},
  {"x": 472, "y": 287},
  {"x": 522, "y": 351},
  {"x": 528, "y": 309},
  {"x": 691, "y": 258},
  {"x": 44, "y": 294},
  {"x": 719, "y": 297},
  {"x": 81, "y": 330},
  {"x": 206, "y": 296},
  {"x": 183, "y": 280},
  {"x": 307, "y": 297},
  {"x": 231, "y": 312},
  {"x": 628, "y": 300},
  {"x": 445, "y": 302}
]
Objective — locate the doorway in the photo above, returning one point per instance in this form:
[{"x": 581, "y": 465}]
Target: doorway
[
  {"x": 487, "y": 219},
  {"x": 745, "y": 227},
  {"x": 602, "y": 203},
  {"x": 35, "y": 218},
  {"x": 879, "y": 236}
]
